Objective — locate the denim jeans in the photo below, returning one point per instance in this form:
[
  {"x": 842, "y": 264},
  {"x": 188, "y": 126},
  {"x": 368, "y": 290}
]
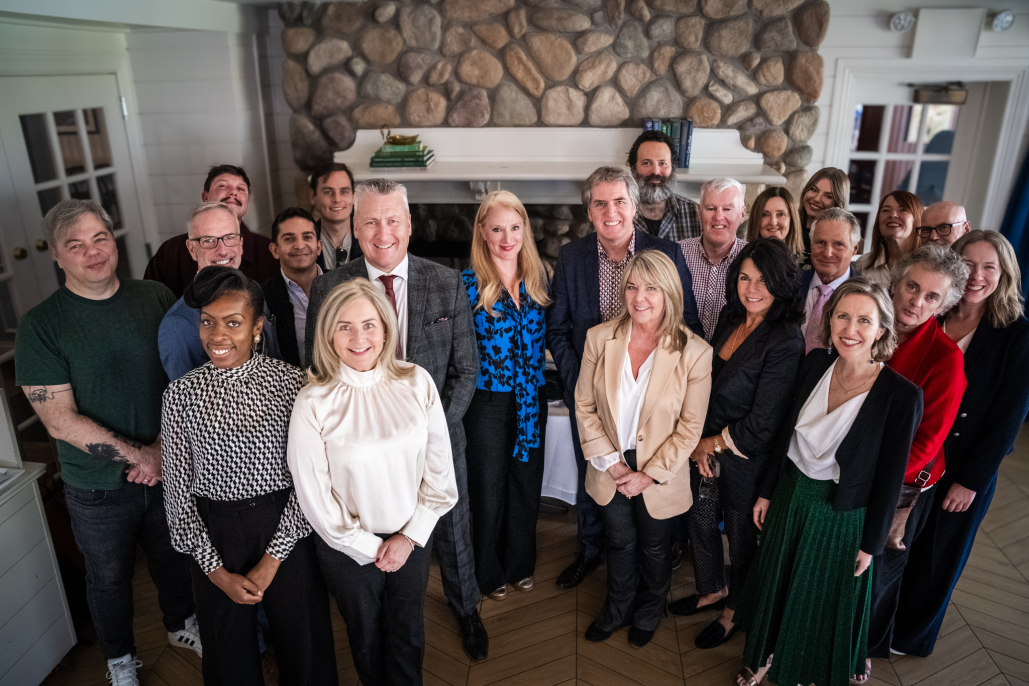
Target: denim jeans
[{"x": 108, "y": 525}]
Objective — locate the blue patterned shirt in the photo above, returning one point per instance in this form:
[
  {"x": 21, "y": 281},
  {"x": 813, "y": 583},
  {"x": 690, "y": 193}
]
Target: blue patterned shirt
[{"x": 511, "y": 356}]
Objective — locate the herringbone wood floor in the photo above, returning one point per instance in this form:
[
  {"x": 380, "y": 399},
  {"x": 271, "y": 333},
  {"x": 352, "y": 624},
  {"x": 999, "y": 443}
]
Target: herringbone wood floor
[{"x": 536, "y": 638}]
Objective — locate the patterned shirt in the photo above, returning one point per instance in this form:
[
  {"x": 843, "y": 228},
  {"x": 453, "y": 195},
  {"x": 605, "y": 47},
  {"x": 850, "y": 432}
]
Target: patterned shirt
[
  {"x": 223, "y": 437},
  {"x": 681, "y": 220},
  {"x": 511, "y": 355},
  {"x": 611, "y": 279},
  {"x": 708, "y": 280}
]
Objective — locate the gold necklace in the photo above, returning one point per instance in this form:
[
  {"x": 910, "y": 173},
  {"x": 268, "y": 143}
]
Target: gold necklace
[{"x": 839, "y": 383}]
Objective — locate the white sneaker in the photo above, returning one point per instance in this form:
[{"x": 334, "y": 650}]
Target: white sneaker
[
  {"x": 896, "y": 652},
  {"x": 123, "y": 671},
  {"x": 188, "y": 637}
]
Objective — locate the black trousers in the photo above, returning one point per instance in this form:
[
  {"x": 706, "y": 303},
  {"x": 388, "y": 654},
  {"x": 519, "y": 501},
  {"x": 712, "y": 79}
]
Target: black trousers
[
  {"x": 711, "y": 505},
  {"x": 887, "y": 574},
  {"x": 383, "y": 612},
  {"x": 296, "y": 601},
  {"x": 504, "y": 493},
  {"x": 937, "y": 559},
  {"x": 590, "y": 534},
  {"x": 632, "y": 534}
]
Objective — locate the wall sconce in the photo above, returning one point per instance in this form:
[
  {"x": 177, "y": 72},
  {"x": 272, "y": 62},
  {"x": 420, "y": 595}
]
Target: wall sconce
[
  {"x": 902, "y": 21},
  {"x": 1002, "y": 21}
]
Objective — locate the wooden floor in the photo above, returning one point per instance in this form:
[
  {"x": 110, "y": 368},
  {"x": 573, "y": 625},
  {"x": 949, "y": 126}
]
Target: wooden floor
[{"x": 536, "y": 638}]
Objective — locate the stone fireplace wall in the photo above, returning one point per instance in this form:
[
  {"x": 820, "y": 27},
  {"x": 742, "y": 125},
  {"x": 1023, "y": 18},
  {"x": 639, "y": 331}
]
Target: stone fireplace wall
[{"x": 751, "y": 65}]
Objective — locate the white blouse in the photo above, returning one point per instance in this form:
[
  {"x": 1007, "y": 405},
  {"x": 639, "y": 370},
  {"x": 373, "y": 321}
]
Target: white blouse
[
  {"x": 631, "y": 393},
  {"x": 819, "y": 433},
  {"x": 371, "y": 456}
]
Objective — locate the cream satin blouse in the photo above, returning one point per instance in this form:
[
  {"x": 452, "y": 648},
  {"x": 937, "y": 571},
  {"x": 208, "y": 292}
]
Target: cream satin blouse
[{"x": 371, "y": 456}]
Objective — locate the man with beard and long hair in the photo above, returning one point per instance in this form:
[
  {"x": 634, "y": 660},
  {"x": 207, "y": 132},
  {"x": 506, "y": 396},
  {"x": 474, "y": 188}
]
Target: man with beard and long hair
[{"x": 662, "y": 211}]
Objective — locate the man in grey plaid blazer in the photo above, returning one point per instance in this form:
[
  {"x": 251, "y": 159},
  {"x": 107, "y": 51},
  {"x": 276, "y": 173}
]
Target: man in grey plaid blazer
[{"x": 436, "y": 334}]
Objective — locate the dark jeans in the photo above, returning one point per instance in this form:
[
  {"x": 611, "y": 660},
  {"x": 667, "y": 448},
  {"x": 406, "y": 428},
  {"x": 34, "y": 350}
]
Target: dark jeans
[
  {"x": 108, "y": 525},
  {"x": 383, "y": 613},
  {"x": 504, "y": 492},
  {"x": 591, "y": 525},
  {"x": 452, "y": 539},
  {"x": 633, "y": 535},
  {"x": 887, "y": 574},
  {"x": 296, "y": 601},
  {"x": 711, "y": 506}
]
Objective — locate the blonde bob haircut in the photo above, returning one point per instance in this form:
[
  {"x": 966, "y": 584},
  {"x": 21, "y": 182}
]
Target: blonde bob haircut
[
  {"x": 793, "y": 240},
  {"x": 883, "y": 348},
  {"x": 1004, "y": 306},
  {"x": 839, "y": 183},
  {"x": 530, "y": 266},
  {"x": 327, "y": 363},
  {"x": 658, "y": 269}
]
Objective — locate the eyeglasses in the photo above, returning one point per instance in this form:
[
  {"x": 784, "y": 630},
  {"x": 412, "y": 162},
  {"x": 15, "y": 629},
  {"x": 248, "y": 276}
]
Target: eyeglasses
[
  {"x": 231, "y": 240},
  {"x": 941, "y": 229}
]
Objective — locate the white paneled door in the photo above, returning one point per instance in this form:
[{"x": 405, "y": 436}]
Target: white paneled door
[{"x": 60, "y": 137}]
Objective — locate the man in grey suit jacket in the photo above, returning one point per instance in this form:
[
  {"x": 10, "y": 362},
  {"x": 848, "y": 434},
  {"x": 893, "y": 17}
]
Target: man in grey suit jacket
[{"x": 436, "y": 334}]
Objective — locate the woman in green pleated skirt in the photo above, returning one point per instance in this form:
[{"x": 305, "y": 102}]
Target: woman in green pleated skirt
[
  {"x": 826, "y": 504},
  {"x": 802, "y": 602}
]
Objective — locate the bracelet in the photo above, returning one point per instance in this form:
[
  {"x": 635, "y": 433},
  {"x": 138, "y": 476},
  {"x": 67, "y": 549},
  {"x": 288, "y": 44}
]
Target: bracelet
[{"x": 408, "y": 540}]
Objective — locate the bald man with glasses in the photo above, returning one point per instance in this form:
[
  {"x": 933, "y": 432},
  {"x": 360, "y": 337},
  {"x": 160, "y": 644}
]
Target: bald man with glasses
[{"x": 943, "y": 223}]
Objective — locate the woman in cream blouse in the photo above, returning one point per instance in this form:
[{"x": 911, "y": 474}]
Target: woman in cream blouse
[
  {"x": 371, "y": 459},
  {"x": 640, "y": 402}
]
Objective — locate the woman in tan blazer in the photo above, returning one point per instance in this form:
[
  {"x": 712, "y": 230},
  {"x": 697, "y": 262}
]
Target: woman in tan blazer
[{"x": 640, "y": 404}]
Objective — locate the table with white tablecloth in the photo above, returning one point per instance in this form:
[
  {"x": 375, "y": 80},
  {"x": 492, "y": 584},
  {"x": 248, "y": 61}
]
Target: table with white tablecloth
[{"x": 560, "y": 477}]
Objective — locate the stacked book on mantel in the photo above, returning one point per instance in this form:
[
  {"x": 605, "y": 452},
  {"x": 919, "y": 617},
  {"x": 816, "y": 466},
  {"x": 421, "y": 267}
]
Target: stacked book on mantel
[
  {"x": 402, "y": 157},
  {"x": 681, "y": 133}
]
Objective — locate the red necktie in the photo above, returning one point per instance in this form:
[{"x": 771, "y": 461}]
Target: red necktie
[{"x": 387, "y": 281}]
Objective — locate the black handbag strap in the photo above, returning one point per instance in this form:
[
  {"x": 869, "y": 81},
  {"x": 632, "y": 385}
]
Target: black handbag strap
[{"x": 923, "y": 476}]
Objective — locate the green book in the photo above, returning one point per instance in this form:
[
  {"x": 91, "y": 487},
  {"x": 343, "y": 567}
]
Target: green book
[
  {"x": 414, "y": 147},
  {"x": 384, "y": 162},
  {"x": 416, "y": 152}
]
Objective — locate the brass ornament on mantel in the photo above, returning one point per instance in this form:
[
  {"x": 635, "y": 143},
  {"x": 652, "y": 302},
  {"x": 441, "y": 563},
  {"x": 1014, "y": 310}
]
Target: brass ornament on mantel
[{"x": 390, "y": 139}]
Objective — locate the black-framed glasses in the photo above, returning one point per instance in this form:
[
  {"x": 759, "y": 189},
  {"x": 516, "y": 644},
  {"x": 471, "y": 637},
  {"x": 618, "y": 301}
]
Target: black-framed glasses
[
  {"x": 940, "y": 229},
  {"x": 231, "y": 240}
]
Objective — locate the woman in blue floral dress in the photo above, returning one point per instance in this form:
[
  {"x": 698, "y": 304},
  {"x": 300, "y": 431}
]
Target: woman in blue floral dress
[{"x": 506, "y": 423}]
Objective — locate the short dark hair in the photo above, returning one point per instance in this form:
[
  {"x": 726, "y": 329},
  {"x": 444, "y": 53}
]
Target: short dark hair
[
  {"x": 650, "y": 137},
  {"x": 778, "y": 266},
  {"x": 292, "y": 213},
  {"x": 219, "y": 169},
  {"x": 320, "y": 172},
  {"x": 211, "y": 283}
]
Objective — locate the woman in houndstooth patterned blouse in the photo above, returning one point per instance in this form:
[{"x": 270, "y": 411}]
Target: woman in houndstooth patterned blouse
[{"x": 229, "y": 495}]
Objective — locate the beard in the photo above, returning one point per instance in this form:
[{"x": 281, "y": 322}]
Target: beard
[{"x": 655, "y": 194}]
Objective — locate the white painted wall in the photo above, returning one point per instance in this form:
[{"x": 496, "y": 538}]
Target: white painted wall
[
  {"x": 859, "y": 30},
  {"x": 200, "y": 104},
  {"x": 284, "y": 172}
]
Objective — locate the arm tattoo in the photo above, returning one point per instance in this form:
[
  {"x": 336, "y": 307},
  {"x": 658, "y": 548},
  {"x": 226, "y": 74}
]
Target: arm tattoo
[
  {"x": 106, "y": 451},
  {"x": 127, "y": 441},
  {"x": 40, "y": 394}
]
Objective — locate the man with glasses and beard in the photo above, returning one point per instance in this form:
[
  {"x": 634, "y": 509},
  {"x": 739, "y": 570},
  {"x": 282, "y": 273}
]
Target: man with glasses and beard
[{"x": 662, "y": 212}]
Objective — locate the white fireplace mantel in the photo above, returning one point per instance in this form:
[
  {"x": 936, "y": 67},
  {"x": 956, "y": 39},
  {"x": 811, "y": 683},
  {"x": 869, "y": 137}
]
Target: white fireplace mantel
[{"x": 546, "y": 164}]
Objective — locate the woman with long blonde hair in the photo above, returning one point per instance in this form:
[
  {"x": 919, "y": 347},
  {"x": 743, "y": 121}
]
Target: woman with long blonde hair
[
  {"x": 506, "y": 422},
  {"x": 893, "y": 235}
]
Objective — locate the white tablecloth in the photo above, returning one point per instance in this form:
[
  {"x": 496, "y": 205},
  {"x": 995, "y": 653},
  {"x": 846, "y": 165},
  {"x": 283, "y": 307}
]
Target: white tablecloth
[{"x": 560, "y": 478}]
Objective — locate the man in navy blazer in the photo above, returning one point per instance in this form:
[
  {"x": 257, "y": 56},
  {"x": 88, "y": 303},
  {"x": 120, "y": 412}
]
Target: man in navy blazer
[
  {"x": 835, "y": 238},
  {"x": 585, "y": 293}
]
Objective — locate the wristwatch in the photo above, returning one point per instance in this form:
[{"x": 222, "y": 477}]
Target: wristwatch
[{"x": 718, "y": 448}]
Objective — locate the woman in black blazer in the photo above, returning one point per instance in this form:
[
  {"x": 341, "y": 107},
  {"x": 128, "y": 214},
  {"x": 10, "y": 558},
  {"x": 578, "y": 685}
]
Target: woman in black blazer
[
  {"x": 989, "y": 327},
  {"x": 758, "y": 345},
  {"x": 839, "y": 466}
]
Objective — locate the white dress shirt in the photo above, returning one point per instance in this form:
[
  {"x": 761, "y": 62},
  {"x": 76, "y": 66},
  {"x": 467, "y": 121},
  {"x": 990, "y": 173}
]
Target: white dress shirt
[
  {"x": 813, "y": 293},
  {"x": 371, "y": 456},
  {"x": 631, "y": 392},
  {"x": 819, "y": 432},
  {"x": 298, "y": 299},
  {"x": 399, "y": 291}
]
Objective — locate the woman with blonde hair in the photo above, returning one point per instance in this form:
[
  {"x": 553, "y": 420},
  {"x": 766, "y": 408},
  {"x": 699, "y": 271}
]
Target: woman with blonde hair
[
  {"x": 774, "y": 215},
  {"x": 827, "y": 187},
  {"x": 991, "y": 330},
  {"x": 826, "y": 505},
  {"x": 506, "y": 421},
  {"x": 370, "y": 455},
  {"x": 893, "y": 235},
  {"x": 640, "y": 402}
]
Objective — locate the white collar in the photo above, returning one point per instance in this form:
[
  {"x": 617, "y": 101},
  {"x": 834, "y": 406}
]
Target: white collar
[
  {"x": 816, "y": 282},
  {"x": 400, "y": 270}
]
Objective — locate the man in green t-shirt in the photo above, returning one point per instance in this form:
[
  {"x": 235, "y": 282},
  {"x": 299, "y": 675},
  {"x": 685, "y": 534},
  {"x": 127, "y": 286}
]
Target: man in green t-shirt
[{"x": 87, "y": 360}]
